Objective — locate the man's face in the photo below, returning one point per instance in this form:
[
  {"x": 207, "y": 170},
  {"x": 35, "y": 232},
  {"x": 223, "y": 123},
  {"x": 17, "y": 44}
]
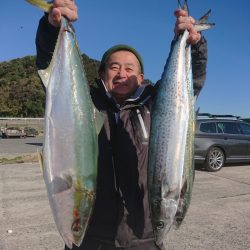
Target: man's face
[{"x": 122, "y": 75}]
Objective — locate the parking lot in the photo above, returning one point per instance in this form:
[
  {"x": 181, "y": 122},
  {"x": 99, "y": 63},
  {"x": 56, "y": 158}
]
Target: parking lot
[
  {"x": 218, "y": 218},
  {"x": 17, "y": 146}
]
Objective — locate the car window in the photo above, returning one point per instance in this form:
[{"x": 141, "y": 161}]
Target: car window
[
  {"x": 208, "y": 127},
  {"x": 220, "y": 128},
  {"x": 228, "y": 127},
  {"x": 245, "y": 128}
]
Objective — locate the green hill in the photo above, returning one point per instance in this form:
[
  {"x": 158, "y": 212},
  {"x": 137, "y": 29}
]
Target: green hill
[{"x": 22, "y": 94}]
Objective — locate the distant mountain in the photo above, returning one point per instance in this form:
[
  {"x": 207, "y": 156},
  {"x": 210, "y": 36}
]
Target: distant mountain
[{"x": 22, "y": 93}]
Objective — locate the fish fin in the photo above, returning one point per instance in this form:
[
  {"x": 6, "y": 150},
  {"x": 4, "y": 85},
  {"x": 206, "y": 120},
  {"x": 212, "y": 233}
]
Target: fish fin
[
  {"x": 99, "y": 118},
  {"x": 204, "y": 18},
  {"x": 45, "y": 6},
  {"x": 61, "y": 183},
  {"x": 179, "y": 4},
  {"x": 40, "y": 159},
  {"x": 202, "y": 24},
  {"x": 44, "y": 75},
  {"x": 184, "y": 6},
  {"x": 197, "y": 113}
]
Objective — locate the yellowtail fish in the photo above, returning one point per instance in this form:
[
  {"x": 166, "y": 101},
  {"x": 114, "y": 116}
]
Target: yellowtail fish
[{"x": 70, "y": 151}]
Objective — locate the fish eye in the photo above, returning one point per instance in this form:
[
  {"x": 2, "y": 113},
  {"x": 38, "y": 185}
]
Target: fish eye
[{"x": 159, "y": 225}]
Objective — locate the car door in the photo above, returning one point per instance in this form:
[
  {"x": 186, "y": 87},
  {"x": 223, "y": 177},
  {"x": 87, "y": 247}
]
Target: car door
[
  {"x": 245, "y": 130},
  {"x": 235, "y": 141}
]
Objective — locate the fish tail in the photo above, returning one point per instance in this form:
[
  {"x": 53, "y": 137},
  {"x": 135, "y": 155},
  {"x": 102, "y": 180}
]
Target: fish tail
[
  {"x": 184, "y": 6},
  {"x": 202, "y": 24},
  {"x": 45, "y": 6},
  {"x": 205, "y": 17}
]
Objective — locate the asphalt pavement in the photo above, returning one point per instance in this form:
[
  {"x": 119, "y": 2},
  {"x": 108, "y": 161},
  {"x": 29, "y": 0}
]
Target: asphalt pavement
[
  {"x": 218, "y": 217},
  {"x": 20, "y": 146}
]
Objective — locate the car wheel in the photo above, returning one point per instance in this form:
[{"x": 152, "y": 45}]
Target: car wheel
[{"x": 215, "y": 159}]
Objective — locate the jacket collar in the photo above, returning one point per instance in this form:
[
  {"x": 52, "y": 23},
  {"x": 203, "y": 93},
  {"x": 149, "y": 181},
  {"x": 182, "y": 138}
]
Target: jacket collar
[{"x": 142, "y": 94}]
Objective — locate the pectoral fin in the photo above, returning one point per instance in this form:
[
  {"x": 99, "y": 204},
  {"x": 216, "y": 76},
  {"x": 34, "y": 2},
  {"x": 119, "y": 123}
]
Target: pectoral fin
[{"x": 44, "y": 75}]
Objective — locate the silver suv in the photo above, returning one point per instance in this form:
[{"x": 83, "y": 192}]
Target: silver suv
[{"x": 221, "y": 139}]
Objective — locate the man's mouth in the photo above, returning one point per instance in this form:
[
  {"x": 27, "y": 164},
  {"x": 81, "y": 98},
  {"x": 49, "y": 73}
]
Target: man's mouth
[{"x": 120, "y": 84}]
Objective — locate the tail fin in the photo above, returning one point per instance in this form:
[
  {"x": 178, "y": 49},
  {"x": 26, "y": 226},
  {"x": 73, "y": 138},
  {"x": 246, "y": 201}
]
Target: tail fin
[
  {"x": 202, "y": 24},
  {"x": 184, "y": 6},
  {"x": 204, "y": 18},
  {"x": 45, "y": 6}
]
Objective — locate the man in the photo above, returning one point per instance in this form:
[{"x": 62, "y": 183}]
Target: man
[{"x": 121, "y": 216}]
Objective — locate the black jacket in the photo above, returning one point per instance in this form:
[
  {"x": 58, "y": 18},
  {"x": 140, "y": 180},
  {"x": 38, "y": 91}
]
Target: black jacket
[{"x": 121, "y": 213}]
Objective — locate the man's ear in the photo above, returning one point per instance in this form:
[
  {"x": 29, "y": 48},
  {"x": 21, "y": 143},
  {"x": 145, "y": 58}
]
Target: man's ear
[
  {"x": 101, "y": 75},
  {"x": 140, "y": 78}
]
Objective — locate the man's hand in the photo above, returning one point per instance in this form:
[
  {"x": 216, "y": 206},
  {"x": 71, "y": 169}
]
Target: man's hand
[
  {"x": 185, "y": 22},
  {"x": 66, "y": 8}
]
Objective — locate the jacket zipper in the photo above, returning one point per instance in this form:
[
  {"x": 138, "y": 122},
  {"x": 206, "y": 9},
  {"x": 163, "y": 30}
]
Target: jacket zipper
[{"x": 144, "y": 131}]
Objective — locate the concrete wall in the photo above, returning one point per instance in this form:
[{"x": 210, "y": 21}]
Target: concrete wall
[{"x": 22, "y": 122}]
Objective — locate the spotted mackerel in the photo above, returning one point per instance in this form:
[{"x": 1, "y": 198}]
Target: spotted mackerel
[{"x": 171, "y": 165}]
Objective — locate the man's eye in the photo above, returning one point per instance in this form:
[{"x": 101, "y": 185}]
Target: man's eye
[
  {"x": 114, "y": 67},
  {"x": 129, "y": 69}
]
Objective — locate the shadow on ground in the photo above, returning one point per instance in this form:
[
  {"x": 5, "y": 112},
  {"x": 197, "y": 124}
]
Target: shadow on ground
[
  {"x": 34, "y": 144},
  {"x": 200, "y": 167}
]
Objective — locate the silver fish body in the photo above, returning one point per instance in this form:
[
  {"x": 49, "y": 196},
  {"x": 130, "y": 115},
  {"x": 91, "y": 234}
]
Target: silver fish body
[
  {"x": 168, "y": 136},
  {"x": 70, "y": 148},
  {"x": 188, "y": 171},
  {"x": 171, "y": 146}
]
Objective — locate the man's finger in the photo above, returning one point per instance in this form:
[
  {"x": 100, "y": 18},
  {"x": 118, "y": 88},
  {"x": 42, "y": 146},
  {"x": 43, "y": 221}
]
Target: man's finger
[
  {"x": 55, "y": 17},
  {"x": 70, "y": 14},
  {"x": 180, "y": 12},
  {"x": 194, "y": 38}
]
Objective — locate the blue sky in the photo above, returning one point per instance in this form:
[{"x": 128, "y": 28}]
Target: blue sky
[{"x": 148, "y": 26}]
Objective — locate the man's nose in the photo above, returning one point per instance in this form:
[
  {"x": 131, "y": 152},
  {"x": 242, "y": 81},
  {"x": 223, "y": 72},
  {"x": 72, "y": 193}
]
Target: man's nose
[{"x": 122, "y": 72}]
